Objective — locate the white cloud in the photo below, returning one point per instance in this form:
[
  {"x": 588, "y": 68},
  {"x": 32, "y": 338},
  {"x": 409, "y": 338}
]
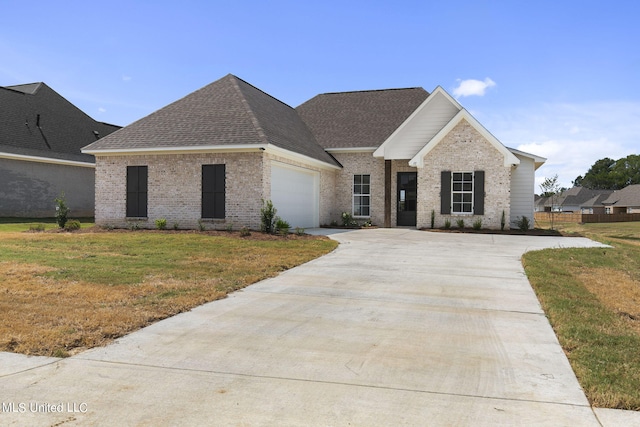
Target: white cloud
[
  {"x": 102, "y": 110},
  {"x": 571, "y": 136},
  {"x": 472, "y": 87},
  {"x": 126, "y": 78}
]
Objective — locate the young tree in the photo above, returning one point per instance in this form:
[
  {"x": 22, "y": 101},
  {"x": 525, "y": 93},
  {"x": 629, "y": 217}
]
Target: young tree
[{"x": 551, "y": 189}]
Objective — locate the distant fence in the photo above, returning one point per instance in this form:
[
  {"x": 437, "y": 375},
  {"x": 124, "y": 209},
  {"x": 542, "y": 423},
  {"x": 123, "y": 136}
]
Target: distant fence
[{"x": 580, "y": 217}]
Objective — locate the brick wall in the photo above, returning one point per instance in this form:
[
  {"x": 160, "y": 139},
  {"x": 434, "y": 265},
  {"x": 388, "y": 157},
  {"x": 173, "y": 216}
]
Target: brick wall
[
  {"x": 356, "y": 164},
  {"x": 175, "y": 189},
  {"x": 464, "y": 150}
]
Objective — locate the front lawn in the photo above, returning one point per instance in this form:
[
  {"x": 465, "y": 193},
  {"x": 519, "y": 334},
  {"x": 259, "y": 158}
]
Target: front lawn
[
  {"x": 64, "y": 292},
  {"x": 592, "y": 299}
]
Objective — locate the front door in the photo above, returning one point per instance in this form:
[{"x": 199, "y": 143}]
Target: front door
[{"x": 407, "y": 198}]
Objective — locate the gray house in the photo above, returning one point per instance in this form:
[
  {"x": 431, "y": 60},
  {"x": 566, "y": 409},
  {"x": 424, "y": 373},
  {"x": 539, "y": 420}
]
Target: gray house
[
  {"x": 40, "y": 140},
  {"x": 393, "y": 157}
]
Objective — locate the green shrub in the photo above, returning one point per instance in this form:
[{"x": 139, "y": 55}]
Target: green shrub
[
  {"x": 175, "y": 226},
  {"x": 161, "y": 224},
  {"x": 244, "y": 232},
  {"x": 281, "y": 226},
  {"x": 433, "y": 218},
  {"x": 502, "y": 221},
  {"x": 347, "y": 220},
  {"x": 460, "y": 223},
  {"x": 477, "y": 224},
  {"x": 447, "y": 224},
  {"x": 267, "y": 216},
  {"x": 333, "y": 223},
  {"x": 61, "y": 210},
  {"x": 523, "y": 223},
  {"x": 201, "y": 225},
  {"x": 72, "y": 225},
  {"x": 229, "y": 227},
  {"x": 299, "y": 231}
]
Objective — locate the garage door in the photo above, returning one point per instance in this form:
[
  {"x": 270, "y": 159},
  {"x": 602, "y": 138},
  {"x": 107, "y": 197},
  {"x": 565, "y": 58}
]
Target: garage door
[{"x": 295, "y": 194}]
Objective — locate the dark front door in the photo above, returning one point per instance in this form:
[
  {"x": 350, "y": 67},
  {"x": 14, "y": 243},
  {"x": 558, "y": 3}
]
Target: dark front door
[{"x": 407, "y": 198}]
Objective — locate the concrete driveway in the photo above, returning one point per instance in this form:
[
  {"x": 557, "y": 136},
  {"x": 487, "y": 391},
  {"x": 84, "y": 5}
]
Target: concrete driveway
[{"x": 395, "y": 327}]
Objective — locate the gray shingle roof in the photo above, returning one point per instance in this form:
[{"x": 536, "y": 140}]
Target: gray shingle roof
[
  {"x": 228, "y": 111},
  {"x": 629, "y": 196},
  {"x": 37, "y": 121},
  {"x": 359, "y": 119}
]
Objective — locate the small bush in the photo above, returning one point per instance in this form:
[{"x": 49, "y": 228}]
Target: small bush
[
  {"x": 433, "y": 218},
  {"x": 447, "y": 224},
  {"x": 161, "y": 224},
  {"x": 299, "y": 231},
  {"x": 36, "y": 227},
  {"x": 460, "y": 223},
  {"x": 229, "y": 227},
  {"x": 134, "y": 226},
  {"x": 477, "y": 224},
  {"x": 201, "y": 225},
  {"x": 72, "y": 225},
  {"x": 281, "y": 226},
  {"x": 175, "y": 226},
  {"x": 245, "y": 232},
  {"x": 523, "y": 223},
  {"x": 502, "y": 221},
  {"x": 347, "y": 220},
  {"x": 334, "y": 223},
  {"x": 61, "y": 211},
  {"x": 267, "y": 216}
]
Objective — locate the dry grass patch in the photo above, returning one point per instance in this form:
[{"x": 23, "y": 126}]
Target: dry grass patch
[{"x": 61, "y": 293}]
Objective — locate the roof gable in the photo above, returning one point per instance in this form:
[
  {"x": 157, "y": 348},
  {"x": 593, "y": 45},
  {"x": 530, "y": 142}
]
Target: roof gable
[
  {"x": 421, "y": 126},
  {"x": 226, "y": 114},
  {"x": 361, "y": 119},
  {"x": 629, "y": 196},
  {"x": 509, "y": 158}
]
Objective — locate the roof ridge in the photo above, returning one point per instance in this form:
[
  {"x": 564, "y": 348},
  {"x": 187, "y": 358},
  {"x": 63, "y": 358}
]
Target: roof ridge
[
  {"x": 373, "y": 90},
  {"x": 245, "y": 103}
]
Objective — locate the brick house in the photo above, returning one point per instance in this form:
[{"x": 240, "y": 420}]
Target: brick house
[
  {"x": 41, "y": 135},
  {"x": 394, "y": 157}
]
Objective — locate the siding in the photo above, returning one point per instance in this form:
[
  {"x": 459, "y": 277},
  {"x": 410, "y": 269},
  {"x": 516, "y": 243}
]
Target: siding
[
  {"x": 411, "y": 139},
  {"x": 522, "y": 190}
]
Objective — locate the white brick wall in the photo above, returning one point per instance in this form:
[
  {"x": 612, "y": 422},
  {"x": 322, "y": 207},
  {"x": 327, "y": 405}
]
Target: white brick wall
[{"x": 464, "y": 150}]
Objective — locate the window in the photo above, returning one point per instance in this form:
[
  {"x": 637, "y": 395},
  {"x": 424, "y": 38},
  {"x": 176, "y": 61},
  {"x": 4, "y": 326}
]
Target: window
[
  {"x": 137, "y": 191},
  {"x": 213, "y": 191},
  {"x": 361, "y": 195},
  {"x": 462, "y": 193}
]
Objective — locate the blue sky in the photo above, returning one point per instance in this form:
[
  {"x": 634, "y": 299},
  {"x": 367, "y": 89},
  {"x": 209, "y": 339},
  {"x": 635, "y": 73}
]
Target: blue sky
[{"x": 560, "y": 79}]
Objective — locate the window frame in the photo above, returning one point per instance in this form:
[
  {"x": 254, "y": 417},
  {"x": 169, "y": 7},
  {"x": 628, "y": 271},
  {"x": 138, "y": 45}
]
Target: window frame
[
  {"x": 465, "y": 187},
  {"x": 360, "y": 195}
]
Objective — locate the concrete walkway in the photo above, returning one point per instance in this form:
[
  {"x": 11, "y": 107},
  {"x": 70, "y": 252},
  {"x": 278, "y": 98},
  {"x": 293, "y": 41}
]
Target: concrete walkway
[{"x": 395, "y": 327}]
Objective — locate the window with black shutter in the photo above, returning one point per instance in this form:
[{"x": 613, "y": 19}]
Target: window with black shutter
[
  {"x": 213, "y": 191},
  {"x": 462, "y": 193},
  {"x": 137, "y": 191}
]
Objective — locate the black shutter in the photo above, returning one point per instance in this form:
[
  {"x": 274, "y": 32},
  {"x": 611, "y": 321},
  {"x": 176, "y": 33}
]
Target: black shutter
[
  {"x": 137, "y": 191},
  {"x": 478, "y": 193},
  {"x": 213, "y": 191},
  {"x": 445, "y": 192}
]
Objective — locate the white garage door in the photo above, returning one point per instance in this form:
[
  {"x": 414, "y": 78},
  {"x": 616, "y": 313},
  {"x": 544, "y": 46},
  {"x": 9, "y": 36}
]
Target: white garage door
[{"x": 295, "y": 194}]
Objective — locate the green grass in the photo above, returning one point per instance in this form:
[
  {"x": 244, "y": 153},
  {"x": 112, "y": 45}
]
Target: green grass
[
  {"x": 591, "y": 299},
  {"x": 8, "y": 225}
]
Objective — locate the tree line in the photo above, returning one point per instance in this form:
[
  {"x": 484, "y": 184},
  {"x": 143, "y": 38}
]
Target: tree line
[{"x": 609, "y": 174}]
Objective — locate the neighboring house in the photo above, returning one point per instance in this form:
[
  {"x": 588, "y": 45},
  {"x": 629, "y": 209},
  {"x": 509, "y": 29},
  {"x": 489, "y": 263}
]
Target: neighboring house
[
  {"x": 626, "y": 200},
  {"x": 41, "y": 135},
  {"x": 394, "y": 157},
  {"x": 577, "y": 199}
]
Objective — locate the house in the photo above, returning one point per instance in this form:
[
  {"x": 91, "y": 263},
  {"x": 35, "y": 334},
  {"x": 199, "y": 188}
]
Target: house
[
  {"x": 397, "y": 157},
  {"x": 577, "y": 199},
  {"x": 40, "y": 140},
  {"x": 626, "y": 200}
]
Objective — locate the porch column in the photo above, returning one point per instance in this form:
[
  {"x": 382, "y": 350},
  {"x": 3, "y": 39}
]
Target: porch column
[{"x": 387, "y": 193}]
